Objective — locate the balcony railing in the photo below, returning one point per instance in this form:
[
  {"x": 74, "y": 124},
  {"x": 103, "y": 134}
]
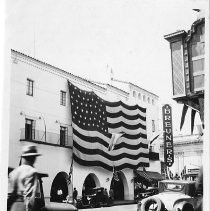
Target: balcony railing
[{"x": 51, "y": 138}]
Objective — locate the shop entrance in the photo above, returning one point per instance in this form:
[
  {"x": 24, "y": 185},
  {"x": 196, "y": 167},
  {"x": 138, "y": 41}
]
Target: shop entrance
[
  {"x": 117, "y": 185},
  {"x": 90, "y": 182},
  {"x": 59, "y": 188}
]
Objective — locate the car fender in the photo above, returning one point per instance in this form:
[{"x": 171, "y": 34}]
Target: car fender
[
  {"x": 183, "y": 206},
  {"x": 190, "y": 200}
]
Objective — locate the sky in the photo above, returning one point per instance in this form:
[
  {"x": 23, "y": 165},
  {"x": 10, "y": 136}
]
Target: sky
[{"x": 90, "y": 37}]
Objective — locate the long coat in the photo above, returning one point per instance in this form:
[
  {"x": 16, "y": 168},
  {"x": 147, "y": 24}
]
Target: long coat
[{"x": 22, "y": 188}]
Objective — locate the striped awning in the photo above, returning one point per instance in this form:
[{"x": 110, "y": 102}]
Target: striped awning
[{"x": 150, "y": 176}]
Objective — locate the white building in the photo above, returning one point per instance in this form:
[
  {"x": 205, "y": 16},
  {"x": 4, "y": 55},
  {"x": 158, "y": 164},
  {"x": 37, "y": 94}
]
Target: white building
[
  {"x": 188, "y": 155},
  {"x": 40, "y": 114}
]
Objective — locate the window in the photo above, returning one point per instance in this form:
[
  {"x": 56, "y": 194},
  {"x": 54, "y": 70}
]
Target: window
[
  {"x": 29, "y": 129},
  {"x": 197, "y": 59},
  {"x": 134, "y": 94},
  {"x": 63, "y": 98},
  {"x": 63, "y": 135},
  {"x": 139, "y": 96},
  {"x": 153, "y": 102},
  {"x": 30, "y": 87},
  {"x": 148, "y": 100},
  {"x": 153, "y": 125},
  {"x": 144, "y": 98}
]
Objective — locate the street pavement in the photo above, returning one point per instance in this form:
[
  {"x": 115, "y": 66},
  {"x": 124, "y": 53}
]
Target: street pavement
[{"x": 129, "y": 207}]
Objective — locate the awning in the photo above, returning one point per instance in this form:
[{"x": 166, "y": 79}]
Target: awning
[
  {"x": 150, "y": 176},
  {"x": 143, "y": 175},
  {"x": 155, "y": 175}
]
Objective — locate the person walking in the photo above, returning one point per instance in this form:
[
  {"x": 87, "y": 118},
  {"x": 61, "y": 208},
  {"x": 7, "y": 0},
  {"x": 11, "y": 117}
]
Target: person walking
[
  {"x": 75, "y": 193},
  {"x": 23, "y": 181}
]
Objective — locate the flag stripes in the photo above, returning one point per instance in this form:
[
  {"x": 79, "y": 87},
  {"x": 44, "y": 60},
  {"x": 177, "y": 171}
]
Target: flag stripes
[
  {"x": 108, "y": 166},
  {"x": 94, "y": 120},
  {"x": 107, "y": 157}
]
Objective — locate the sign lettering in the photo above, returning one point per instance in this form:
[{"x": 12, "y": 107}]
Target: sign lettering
[{"x": 168, "y": 135}]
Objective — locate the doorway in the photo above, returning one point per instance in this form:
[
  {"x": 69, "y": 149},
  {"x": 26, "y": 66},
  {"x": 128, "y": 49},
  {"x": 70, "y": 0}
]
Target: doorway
[
  {"x": 59, "y": 189},
  {"x": 91, "y": 181},
  {"x": 118, "y": 187}
]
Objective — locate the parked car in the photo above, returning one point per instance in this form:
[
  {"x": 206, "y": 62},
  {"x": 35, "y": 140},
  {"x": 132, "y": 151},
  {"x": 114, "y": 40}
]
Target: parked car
[
  {"x": 93, "y": 198},
  {"x": 41, "y": 205},
  {"x": 174, "y": 195},
  {"x": 146, "y": 193}
]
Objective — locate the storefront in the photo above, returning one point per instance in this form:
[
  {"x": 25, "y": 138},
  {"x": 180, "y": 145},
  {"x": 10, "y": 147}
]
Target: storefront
[{"x": 146, "y": 182}]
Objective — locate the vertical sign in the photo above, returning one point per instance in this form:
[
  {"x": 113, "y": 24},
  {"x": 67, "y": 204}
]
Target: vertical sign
[{"x": 168, "y": 135}]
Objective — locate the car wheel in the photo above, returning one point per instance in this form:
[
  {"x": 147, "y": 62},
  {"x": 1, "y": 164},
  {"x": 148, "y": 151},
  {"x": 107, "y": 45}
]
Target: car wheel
[{"x": 152, "y": 204}]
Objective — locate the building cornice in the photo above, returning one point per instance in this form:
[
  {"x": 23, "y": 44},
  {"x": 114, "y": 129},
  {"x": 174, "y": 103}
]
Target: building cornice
[
  {"x": 18, "y": 56},
  {"x": 184, "y": 143},
  {"x": 141, "y": 89},
  {"x": 113, "y": 88},
  {"x": 193, "y": 28},
  {"x": 173, "y": 35}
]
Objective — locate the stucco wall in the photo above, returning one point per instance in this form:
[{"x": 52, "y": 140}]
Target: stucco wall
[{"x": 44, "y": 107}]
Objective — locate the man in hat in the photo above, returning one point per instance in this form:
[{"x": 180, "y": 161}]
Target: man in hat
[{"x": 23, "y": 182}]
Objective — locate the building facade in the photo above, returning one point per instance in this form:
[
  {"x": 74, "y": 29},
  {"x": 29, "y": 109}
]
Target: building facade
[
  {"x": 188, "y": 77},
  {"x": 40, "y": 114},
  {"x": 188, "y": 155}
]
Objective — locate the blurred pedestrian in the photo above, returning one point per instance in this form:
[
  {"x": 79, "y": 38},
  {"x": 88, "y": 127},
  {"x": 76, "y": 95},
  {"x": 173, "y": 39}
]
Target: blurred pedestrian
[
  {"x": 23, "y": 182},
  {"x": 75, "y": 193}
]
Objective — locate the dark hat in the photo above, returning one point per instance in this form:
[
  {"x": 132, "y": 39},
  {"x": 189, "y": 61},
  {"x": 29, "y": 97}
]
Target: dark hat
[{"x": 29, "y": 150}]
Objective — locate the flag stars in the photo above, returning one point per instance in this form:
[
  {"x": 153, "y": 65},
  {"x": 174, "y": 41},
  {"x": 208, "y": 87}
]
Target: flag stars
[{"x": 89, "y": 110}]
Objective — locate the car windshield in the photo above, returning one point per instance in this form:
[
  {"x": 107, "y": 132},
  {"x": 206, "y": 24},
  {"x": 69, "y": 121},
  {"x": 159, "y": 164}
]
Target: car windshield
[{"x": 173, "y": 187}]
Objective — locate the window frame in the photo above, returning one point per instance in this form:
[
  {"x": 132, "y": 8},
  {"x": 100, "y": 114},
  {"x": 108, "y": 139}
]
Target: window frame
[
  {"x": 62, "y": 98},
  {"x": 30, "y": 87},
  {"x": 30, "y": 135},
  {"x": 63, "y": 141}
]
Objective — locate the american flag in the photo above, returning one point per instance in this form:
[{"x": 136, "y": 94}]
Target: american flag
[{"x": 94, "y": 120}]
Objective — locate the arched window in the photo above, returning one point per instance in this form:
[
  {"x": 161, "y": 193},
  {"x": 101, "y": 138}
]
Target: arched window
[
  {"x": 153, "y": 102},
  {"x": 144, "y": 98},
  {"x": 134, "y": 93},
  {"x": 139, "y": 96},
  {"x": 148, "y": 100}
]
